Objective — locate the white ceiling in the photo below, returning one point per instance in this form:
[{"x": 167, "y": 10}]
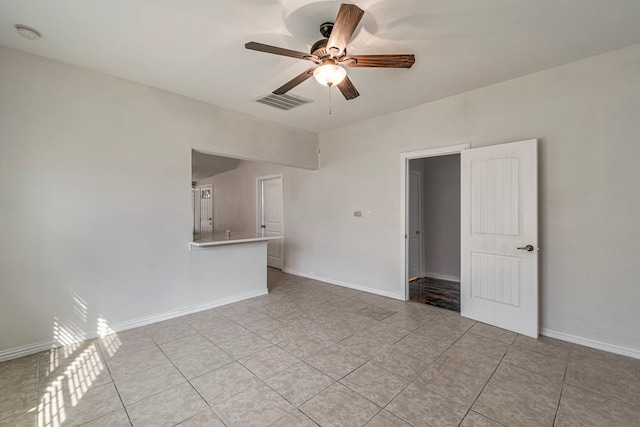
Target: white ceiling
[{"x": 196, "y": 47}]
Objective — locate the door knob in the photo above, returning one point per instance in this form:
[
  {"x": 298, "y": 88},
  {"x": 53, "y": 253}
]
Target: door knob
[{"x": 527, "y": 248}]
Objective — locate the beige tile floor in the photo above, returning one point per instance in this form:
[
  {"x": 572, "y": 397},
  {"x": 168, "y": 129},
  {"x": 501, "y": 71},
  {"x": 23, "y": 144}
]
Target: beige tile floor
[{"x": 310, "y": 354}]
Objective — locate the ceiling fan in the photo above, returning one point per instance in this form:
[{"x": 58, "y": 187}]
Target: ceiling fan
[{"x": 330, "y": 55}]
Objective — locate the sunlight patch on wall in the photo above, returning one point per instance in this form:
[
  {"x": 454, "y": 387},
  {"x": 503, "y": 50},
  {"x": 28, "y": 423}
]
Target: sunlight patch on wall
[
  {"x": 67, "y": 336},
  {"x": 109, "y": 339}
]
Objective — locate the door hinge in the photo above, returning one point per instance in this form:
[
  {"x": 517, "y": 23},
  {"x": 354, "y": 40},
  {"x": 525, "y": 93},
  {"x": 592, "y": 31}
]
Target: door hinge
[{"x": 405, "y": 236}]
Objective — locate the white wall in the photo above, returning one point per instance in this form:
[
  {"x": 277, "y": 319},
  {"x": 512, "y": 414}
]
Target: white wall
[
  {"x": 585, "y": 116},
  {"x": 440, "y": 232},
  {"x": 235, "y": 207},
  {"x": 95, "y": 181}
]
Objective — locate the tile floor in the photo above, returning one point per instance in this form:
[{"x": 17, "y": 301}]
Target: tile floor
[{"x": 311, "y": 354}]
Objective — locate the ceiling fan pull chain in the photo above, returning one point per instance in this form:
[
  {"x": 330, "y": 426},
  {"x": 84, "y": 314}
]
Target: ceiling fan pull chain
[{"x": 330, "y": 99}]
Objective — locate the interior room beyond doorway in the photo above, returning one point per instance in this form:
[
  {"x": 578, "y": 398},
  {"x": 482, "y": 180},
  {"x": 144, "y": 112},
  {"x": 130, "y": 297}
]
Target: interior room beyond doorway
[{"x": 434, "y": 231}]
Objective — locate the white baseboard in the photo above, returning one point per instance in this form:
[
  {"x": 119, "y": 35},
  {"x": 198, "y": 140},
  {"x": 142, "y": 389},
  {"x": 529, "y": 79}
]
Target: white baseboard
[
  {"x": 611, "y": 348},
  {"x": 440, "y": 276},
  {"x": 144, "y": 321},
  {"x": 346, "y": 284},
  {"x": 14, "y": 353},
  {"x": 26, "y": 350}
]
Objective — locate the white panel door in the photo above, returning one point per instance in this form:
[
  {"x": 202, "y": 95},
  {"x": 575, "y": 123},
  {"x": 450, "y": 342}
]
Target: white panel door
[
  {"x": 499, "y": 236},
  {"x": 271, "y": 224},
  {"x": 206, "y": 209},
  {"x": 413, "y": 234}
]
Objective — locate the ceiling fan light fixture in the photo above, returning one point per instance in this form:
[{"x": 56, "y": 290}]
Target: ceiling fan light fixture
[{"x": 329, "y": 74}]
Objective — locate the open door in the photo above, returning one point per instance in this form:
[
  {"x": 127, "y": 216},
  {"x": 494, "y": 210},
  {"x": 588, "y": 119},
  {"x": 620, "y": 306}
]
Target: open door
[
  {"x": 414, "y": 226},
  {"x": 499, "y": 236}
]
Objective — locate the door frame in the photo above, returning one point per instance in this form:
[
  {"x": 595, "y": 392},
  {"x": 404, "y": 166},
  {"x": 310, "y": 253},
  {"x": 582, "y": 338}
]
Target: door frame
[
  {"x": 404, "y": 202},
  {"x": 259, "y": 212}
]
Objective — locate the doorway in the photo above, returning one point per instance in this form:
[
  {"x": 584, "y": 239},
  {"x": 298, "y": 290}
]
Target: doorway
[
  {"x": 498, "y": 232},
  {"x": 206, "y": 209},
  {"x": 270, "y": 218},
  {"x": 434, "y": 231}
]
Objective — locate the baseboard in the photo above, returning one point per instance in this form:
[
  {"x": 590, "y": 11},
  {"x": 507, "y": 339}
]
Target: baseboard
[
  {"x": 610, "y": 348},
  {"x": 14, "y": 353},
  {"x": 440, "y": 276},
  {"x": 346, "y": 284},
  {"x": 144, "y": 321}
]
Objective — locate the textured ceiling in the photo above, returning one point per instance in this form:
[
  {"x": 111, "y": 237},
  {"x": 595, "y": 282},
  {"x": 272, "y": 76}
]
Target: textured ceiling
[{"x": 196, "y": 47}]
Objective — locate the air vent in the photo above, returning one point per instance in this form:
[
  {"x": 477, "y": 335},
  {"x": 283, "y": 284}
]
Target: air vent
[{"x": 283, "y": 102}]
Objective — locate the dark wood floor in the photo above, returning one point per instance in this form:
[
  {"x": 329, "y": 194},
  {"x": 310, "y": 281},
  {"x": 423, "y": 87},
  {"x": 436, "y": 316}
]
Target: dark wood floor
[{"x": 438, "y": 292}]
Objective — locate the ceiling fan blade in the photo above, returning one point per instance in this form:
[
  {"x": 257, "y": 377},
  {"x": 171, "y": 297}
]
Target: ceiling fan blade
[
  {"x": 294, "y": 82},
  {"x": 383, "y": 61},
  {"x": 348, "y": 89},
  {"x": 347, "y": 20},
  {"x": 279, "y": 51}
]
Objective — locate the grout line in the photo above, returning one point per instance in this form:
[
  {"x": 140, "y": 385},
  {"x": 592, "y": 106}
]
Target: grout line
[
  {"x": 188, "y": 381},
  {"x": 113, "y": 381}
]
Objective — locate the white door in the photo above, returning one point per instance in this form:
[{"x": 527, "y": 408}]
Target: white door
[
  {"x": 499, "y": 236},
  {"x": 414, "y": 226},
  {"x": 270, "y": 191},
  {"x": 206, "y": 209}
]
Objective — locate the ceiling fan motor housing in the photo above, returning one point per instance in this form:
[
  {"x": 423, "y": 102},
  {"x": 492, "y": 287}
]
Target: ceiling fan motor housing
[
  {"x": 319, "y": 49},
  {"x": 325, "y": 29}
]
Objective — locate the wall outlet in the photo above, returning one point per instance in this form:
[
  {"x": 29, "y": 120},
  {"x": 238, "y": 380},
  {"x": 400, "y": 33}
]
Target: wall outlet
[{"x": 369, "y": 215}]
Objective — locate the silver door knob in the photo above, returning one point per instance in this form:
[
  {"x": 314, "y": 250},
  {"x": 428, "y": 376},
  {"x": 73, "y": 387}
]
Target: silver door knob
[{"x": 527, "y": 248}]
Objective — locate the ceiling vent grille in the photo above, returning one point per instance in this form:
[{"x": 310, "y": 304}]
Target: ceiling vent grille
[{"x": 283, "y": 102}]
